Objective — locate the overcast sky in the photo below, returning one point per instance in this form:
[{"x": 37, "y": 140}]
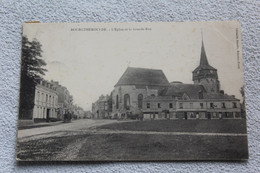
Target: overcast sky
[{"x": 89, "y": 63}]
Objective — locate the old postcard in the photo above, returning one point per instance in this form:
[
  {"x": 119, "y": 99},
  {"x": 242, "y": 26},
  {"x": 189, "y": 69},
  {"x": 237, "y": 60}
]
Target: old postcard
[{"x": 132, "y": 92}]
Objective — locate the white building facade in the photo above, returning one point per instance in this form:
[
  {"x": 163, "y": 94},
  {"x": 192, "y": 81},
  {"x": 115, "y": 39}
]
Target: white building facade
[{"x": 45, "y": 103}]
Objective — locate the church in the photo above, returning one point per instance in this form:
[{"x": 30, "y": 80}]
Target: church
[{"x": 148, "y": 92}]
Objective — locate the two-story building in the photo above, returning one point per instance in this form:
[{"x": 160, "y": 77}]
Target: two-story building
[
  {"x": 102, "y": 107},
  {"x": 45, "y": 102},
  {"x": 65, "y": 99}
]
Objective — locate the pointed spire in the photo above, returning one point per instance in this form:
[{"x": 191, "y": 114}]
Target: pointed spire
[{"x": 203, "y": 56}]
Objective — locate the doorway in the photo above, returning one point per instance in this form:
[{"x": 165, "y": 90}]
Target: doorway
[
  {"x": 48, "y": 115},
  {"x": 209, "y": 115},
  {"x": 185, "y": 115}
]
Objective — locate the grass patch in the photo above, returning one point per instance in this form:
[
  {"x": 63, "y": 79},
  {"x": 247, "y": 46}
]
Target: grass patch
[
  {"x": 163, "y": 147},
  {"x": 117, "y": 147},
  {"x": 207, "y": 126}
]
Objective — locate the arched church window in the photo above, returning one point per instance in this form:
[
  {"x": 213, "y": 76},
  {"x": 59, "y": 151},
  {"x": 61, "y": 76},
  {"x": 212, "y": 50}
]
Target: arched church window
[
  {"x": 127, "y": 101},
  {"x": 140, "y": 101}
]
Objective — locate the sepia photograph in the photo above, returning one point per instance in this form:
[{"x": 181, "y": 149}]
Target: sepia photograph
[{"x": 163, "y": 91}]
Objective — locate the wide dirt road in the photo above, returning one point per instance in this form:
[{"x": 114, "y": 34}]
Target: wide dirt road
[{"x": 58, "y": 130}]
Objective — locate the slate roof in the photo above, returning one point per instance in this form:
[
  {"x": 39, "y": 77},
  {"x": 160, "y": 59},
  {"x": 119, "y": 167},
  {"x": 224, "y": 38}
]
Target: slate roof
[
  {"x": 178, "y": 89},
  {"x": 192, "y": 90},
  {"x": 219, "y": 96},
  {"x": 158, "y": 98},
  {"x": 143, "y": 77}
]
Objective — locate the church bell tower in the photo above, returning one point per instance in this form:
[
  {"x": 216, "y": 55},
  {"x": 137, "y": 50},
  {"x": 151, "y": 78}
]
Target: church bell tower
[{"x": 205, "y": 74}]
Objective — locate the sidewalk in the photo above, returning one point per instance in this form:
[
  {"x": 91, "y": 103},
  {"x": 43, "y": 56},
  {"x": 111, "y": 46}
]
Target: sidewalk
[{"x": 37, "y": 125}]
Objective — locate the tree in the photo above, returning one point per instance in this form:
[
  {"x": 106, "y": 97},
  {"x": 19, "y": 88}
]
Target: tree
[
  {"x": 242, "y": 92},
  {"x": 31, "y": 72}
]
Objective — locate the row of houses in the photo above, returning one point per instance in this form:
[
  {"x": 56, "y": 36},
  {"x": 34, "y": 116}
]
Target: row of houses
[
  {"x": 52, "y": 101},
  {"x": 147, "y": 92}
]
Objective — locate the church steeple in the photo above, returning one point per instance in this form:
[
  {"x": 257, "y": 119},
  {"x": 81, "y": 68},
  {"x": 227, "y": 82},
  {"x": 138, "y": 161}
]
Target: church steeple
[
  {"x": 205, "y": 74},
  {"x": 203, "y": 56}
]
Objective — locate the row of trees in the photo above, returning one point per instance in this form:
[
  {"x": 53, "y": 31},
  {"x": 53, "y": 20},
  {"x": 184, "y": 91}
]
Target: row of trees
[{"x": 32, "y": 70}]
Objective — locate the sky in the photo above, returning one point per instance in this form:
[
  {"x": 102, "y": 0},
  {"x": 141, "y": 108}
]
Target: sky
[{"x": 90, "y": 58}]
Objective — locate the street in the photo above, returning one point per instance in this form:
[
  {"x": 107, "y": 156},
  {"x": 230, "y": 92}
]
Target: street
[{"x": 61, "y": 129}]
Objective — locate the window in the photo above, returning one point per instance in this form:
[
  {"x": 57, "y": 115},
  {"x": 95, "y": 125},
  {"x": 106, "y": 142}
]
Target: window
[
  {"x": 192, "y": 115},
  {"x": 225, "y": 114},
  {"x": 170, "y": 105},
  {"x": 211, "y": 105},
  {"x": 180, "y": 105},
  {"x": 201, "y": 105},
  {"x": 42, "y": 97},
  {"x": 46, "y": 98},
  {"x": 148, "y": 105},
  {"x": 237, "y": 114},
  {"x": 159, "y": 105},
  {"x": 37, "y": 111},
  {"x": 127, "y": 101},
  {"x": 140, "y": 101},
  {"x": 223, "y": 105},
  {"x": 117, "y": 102},
  {"x": 234, "y": 105}
]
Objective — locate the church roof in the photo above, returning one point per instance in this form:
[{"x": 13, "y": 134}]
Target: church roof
[
  {"x": 204, "y": 64},
  {"x": 178, "y": 89},
  {"x": 192, "y": 90},
  {"x": 143, "y": 77},
  {"x": 158, "y": 98},
  {"x": 219, "y": 96}
]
